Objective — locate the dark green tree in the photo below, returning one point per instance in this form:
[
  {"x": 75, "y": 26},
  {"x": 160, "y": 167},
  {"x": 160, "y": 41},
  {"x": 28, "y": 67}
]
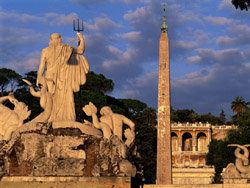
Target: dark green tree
[
  {"x": 94, "y": 90},
  {"x": 223, "y": 116},
  {"x": 133, "y": 107},
  {"x": 146, "y": 142},
  {"x": 98, "y": 83},
  {"x": 31, "y": 76},
  {"x": 8, "y": 77},
  {"x": 3, "y": 83},
  {"x": 204, "y": 118},
  {"x": 185, "y": 115},
  {"x": 238, "y": 105},
  {"x": 219, "y": 156},
  {"x": 242, "y": 4}
]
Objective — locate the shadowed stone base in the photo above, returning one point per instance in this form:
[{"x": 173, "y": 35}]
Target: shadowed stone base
[
  {"x": 39, "y": 150},
  {"x": 65, "y": 182},
  {"x": 200, "y": 186}
]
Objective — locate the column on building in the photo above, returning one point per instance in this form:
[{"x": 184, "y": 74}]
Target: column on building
[
  {"x": 208, "y": 138},
  {"x": 180, "y": 141},
  {"x": 194, "y": 142}
]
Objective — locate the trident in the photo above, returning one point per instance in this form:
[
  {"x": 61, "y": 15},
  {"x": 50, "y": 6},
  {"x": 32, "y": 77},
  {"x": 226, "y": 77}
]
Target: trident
[{"x": 79, "y": 26}]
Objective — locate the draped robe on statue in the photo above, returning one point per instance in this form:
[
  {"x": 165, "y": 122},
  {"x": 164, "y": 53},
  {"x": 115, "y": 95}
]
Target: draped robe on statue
[{"x": 70, "y": 71}]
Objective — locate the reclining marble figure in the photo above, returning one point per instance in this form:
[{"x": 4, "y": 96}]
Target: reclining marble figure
[{"x": 10, "y": 120}]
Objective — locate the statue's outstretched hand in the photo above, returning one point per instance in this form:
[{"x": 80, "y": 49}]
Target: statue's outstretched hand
[
  {"x": 90, "y": 109},
  {"x": 79, "y": 36}
]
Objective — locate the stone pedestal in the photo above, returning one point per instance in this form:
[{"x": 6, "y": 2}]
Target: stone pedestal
[
  {"x": 38, "y": 150},
  {"x": 192, "y": 176},
  {"x": 236, "y": 180},
  {"x": 65, "y": 182}
]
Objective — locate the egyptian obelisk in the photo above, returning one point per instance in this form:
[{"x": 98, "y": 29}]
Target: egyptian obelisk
[{"x": 164, "y": 167}]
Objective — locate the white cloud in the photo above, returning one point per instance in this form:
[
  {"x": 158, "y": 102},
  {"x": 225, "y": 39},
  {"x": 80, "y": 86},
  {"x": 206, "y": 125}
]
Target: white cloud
[
  {"x": 131, "y": 93},
  {"x": 226, "y": 4},
  {"x": 124, "y": 59},
  {"x": 144, "y": 80},
  {"x": 95, "y": 2},
  {"x": 208, "y": 56},
  {"x": 27, "y": 63},
  {"x": 194, "y": 59},
  {"x": 238, "y": 36},
  {"x": 220, "y": 20},
  {"x": 132, "y": 36},
  {"x": 184, "y": 44},
  {"x": 226, "y": 41},
  {"x": 60, "y": 19},
  {"x": 211, "y": 89},
  {"x": 103, "y": 24},
  {"x": 15, "y": 42},
  {"x": 115, "y": 51},
  {"x": 139, "y": 13},
  {"x": 143, "y": 87},
  {"x": 47, "y": 18},
  {"x": 240, "y": 30},
  {"x": 24, "y": 18},
  {"x": 196, "y": 75},
  {"x": 87, "y": 2}
]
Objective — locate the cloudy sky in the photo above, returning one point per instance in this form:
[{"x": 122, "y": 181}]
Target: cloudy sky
[{"x": 209, "y": 45}]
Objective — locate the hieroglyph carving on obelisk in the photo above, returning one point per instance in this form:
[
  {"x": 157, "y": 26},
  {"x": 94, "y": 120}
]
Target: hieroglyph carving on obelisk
[{"x": 164, "y": 167}]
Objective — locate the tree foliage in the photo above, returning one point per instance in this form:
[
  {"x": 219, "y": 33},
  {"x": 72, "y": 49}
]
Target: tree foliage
[
  {"x": 223, "y": 116},
  {"x": 238, "y": 105},
  {"x": 31, "y": 76},
  {"x": 8, "y": 77},
  {"x": 146, "y": 140},
  {"x": 242, "y": 4},
  {"x": 187, "y": 115},
  {"x": 98, "y": 83},
  {"x": 219, "y": 156}
]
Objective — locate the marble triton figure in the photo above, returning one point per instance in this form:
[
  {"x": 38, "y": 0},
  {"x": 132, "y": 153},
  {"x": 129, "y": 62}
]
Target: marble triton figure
[{"x": 10, "y": 120}]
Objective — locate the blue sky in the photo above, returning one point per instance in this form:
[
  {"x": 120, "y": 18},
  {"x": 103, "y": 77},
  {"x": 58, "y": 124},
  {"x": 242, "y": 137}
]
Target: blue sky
[{"x": 209, "y": 45}]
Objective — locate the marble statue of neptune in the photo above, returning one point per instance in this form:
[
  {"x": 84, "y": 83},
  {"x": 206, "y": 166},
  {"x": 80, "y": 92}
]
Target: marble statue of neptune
[{"x": 65, "y": 70}]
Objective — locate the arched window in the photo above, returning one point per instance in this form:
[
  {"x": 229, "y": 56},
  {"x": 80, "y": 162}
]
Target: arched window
[
  {"x": 174, "y": 138},
  {"x": 186, "y": 142},
  {"x": 201, "y": 142}
]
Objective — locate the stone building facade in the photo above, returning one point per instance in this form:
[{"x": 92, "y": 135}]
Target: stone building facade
[{"x": 190, "y": 143}]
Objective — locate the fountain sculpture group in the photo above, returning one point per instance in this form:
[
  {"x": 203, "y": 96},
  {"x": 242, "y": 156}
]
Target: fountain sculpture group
[
  {"x": 53, "y": 143},
  {"x": 240, "y": 171}
]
